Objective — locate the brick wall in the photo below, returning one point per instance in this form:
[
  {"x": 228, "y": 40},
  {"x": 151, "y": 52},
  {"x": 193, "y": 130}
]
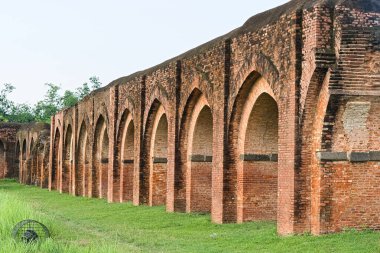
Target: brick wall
[{"x": 276, "y": 120}]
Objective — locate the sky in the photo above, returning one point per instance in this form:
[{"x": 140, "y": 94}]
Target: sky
[{"x": 67, "y": 41}]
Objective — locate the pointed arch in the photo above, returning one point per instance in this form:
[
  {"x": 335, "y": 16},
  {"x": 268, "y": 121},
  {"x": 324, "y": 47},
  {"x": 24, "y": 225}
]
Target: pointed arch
[
  {"x": 124, "y": 171},
  {"x": 31, "y": 145},
  {"x": 24, "y": 167},
  {"x": 24, "y": 150},
  {"x": 38, "y": 151},
  {"x": 250, "y": 181},
  {"x": 45, "y": 164},
  {"x": 56, "y": 160},
  {"x": 17, "y": 172},
  {"x": 33, "y": 163},
  {"x": 158, "y": 162},
  {"x": 100, "y": 159},
  {"x": 153, "y": 175},
  {"x": 181, "y": 168},
  {"x": 67, "y": 160},
  {"x": 199, "y": 158},
  {"x": 82, "y": 173},
  {"x": 193, "y": 175}
]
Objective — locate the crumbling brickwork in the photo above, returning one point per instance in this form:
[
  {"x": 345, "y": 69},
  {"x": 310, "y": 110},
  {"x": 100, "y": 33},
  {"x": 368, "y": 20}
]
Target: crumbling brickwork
[
  {"x": 276, "y": 120},
  {"x": 8, "y": 157},
  {"x": 26, "y": 156}
]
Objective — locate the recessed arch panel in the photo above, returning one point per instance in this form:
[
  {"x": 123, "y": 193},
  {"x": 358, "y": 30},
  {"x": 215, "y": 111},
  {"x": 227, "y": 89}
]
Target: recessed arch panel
[
  {"x": 82, "y": 173},
  {"x": 154, "y": 170},
  {"x": 100, "y": 159},
  {"x": 67, "y": 160},
  {"x": 56, "y": 160},
  {"x": 250, "y": 191},
  {"x": 124, "y": 173},
  {"x": 199, "y": 158}
]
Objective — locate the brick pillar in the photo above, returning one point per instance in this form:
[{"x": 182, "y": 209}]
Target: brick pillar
[
  {"x": 60, "y": 155},
  {"x": 287, "y": 137},
  {"x": 139, "y": 128},
  {"x": 52, "y": 127},
  {"x": 286, "y": 164},
  {"x": 74, "y": 148},
  {"x": 112, "y": 143},
  {"x": 220, "y": 112},
  {"x": 173, "y": 143}
]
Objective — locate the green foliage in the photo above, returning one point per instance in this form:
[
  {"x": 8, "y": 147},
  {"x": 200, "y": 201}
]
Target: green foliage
[
  {"x": 43, "y": 109},
  {"x": 6, "y": 106},
  {"x": 22, "y": 113},
  {"x": 50, "y": 105},
  {"x": 69, "y": 99},
  {"x": 83, "y": 91},
  {"x": 97, "y": 226},
  {"x": 96, "y": 84}
]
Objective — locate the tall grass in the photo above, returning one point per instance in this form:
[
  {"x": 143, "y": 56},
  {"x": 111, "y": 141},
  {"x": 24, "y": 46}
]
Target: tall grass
[{"x": 13, "y": 210}]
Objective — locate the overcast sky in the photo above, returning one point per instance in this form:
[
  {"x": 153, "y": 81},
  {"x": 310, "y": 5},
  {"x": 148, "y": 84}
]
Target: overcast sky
[{"x": 67, "y": 41}]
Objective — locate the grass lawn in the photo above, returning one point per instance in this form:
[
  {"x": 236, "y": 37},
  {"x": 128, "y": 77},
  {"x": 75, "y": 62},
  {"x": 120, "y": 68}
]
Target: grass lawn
[{"x": 92, "y": 225}]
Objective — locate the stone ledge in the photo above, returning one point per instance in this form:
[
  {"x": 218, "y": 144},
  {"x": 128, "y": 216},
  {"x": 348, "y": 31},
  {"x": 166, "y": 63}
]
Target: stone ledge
[
  {"x": 127, "y": 161},
  {"x": 358, "y": 156},
  {"x": 104, "y": 160},
  {"x": 374, "y": 155},
  {"x": 200, "y": 158},
  {"x": 332, "y": 156},
  {"x": 259, "y": 157},
  {"x": 160, "y": 160},
  {"x": 349, "y": 156}
]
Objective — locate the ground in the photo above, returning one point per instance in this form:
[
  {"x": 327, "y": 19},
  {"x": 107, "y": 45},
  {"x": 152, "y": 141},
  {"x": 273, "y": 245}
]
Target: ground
[{"x": 91, "y": 225}]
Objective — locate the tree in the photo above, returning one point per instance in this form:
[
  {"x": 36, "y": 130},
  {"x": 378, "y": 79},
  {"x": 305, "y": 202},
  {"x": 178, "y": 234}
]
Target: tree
[
  {"x": 43, "y": 109},
  {"x": 9, "y": 111},
  {"x": 96, "y": 84},
  {"x": 51, "y": 104},
  {"x": 83, "y": 91},
  {"x": 22, "y": 113},
  {"x": 6, "y": 105},
  {"x": 69, "y": 99}
]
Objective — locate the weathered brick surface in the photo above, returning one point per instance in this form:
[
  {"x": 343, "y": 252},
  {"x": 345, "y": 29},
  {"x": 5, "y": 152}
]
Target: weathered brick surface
[
  {"x": 9, "y": 157},
  {"x": 276, "y": 120}
]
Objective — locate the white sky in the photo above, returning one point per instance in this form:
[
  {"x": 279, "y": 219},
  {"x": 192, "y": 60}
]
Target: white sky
[{"x": 67, "y": 41}]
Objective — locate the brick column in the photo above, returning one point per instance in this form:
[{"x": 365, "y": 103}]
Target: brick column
[
  {"x": 60, "y": 154},
  {"x": 139, "y": 128},
  {"x": 74, "y": 148},
  {"x": 112, "y": 149},
  {"x": 220, "y": 140},
  {"x": 173, "y": 142},
  {"x": 52, "y": 126}
]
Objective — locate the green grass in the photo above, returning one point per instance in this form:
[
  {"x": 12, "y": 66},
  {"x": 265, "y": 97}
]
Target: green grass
[{"x": 92, "y": 225}]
